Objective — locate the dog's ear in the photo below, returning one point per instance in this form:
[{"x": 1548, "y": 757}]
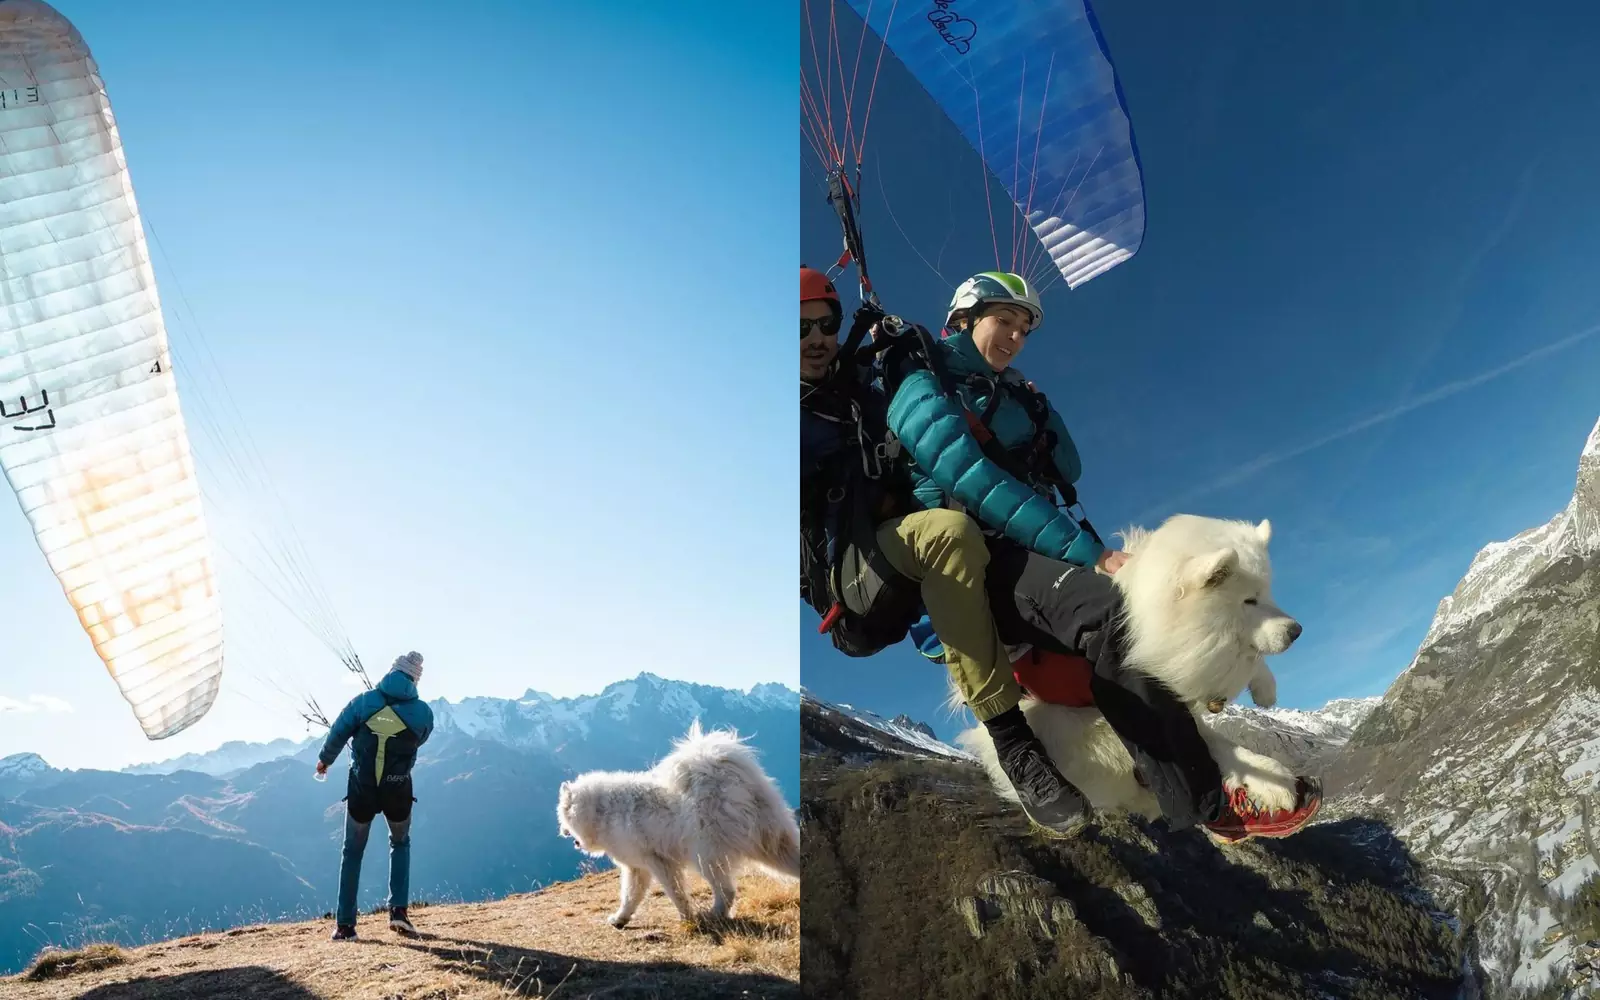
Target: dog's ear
[
  {"x": 1264, "y": 531},
  {"x": 1212, "y": 570}
]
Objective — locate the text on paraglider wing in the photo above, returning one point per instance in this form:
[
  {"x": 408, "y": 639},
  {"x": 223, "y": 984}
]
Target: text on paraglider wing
[
  {"x": 18, "y": 97},
  {"x": 12, "y": 416},
  {"x": 957, "y": 31}
]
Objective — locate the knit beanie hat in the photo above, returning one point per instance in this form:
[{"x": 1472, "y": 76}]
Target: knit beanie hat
[{"x": 410, "y": 665}]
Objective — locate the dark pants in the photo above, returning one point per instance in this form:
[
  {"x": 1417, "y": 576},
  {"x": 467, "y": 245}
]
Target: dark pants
[
  {"x": 362, "y": 804},
  {"x": 1058, "y": 606}
]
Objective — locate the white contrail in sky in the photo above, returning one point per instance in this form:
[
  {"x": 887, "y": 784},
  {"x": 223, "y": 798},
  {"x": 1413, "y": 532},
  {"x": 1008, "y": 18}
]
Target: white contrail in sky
[{"x": 1271, "y": 458}]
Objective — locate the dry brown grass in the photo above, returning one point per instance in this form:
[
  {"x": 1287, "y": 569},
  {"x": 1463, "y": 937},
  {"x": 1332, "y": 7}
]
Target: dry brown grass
[
  {"x": 58, "y": 963},
  {"x": 553, "y": 943}
]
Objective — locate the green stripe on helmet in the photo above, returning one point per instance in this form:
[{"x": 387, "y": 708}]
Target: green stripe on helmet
[{"x": 1014, "y": 283}]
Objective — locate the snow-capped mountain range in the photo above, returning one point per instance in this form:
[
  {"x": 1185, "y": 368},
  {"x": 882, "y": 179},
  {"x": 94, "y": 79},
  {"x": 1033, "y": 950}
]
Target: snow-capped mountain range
[
  {"x": 1309, "y": 731},
  {"x": 1300, "y": 738},
  {"x": 647, "y": 704},
  {"x": 538, "y": 720},
  {"x": 854, "y": 732},
  {"x": 230, "y": 758}
]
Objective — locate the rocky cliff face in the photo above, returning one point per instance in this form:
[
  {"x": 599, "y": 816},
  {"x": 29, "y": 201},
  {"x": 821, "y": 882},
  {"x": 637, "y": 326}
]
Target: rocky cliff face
[
  {"x": 919, "y": 881},
  {"x": 1484, "y": 753}
]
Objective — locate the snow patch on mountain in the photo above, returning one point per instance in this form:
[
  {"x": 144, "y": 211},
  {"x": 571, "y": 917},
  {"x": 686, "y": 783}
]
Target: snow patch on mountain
[
  {"x": 1333, "y": 722},
  {"x": 23, "y": 766},
  {"x": 1501, "y": 569}
]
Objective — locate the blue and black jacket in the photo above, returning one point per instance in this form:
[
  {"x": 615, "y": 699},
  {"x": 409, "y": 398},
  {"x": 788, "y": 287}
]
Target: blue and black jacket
[{"x": 385, "y": 727}]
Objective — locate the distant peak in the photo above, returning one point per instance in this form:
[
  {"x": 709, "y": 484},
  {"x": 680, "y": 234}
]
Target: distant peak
[
  {"x": 23, "y": 762},
  {"x": 905, "y": 721},
  {"x": 772, "y": 689}
]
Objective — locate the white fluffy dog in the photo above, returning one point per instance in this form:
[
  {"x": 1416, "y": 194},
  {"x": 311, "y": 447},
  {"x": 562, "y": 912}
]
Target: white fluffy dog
[
  {"x": 707, "y": 804},
  {"x": 1198, "y": 599}
]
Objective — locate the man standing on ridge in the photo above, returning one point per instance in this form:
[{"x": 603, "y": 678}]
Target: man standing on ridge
[{"x": 384, "y": 727}]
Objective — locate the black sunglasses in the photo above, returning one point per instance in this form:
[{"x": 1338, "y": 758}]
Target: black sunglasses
[{"x": 825, "y": 324}]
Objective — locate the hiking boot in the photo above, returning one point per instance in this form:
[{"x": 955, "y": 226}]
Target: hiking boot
[
  {"x": 1047, "y": 798},
  {"x": 1242, "y": 819},
  {"x": 343, "y": 932},
  {"x": 399, "y": 924}
]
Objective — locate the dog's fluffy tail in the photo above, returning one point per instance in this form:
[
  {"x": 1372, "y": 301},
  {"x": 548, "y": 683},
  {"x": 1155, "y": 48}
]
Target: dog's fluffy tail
[
  {"x": 778, "y": 850},
  {"x": 747, "y": 814},
  {"x": 703, "y": 757}
]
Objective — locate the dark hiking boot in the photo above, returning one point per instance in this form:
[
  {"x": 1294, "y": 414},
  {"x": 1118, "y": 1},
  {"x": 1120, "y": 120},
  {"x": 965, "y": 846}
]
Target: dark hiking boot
[
  {"x": 1048, "y": 799},
  {"x": 1242, "y": 819},
  {"x": 343, "y": 932},
  {"x": 399, "y": 924}
]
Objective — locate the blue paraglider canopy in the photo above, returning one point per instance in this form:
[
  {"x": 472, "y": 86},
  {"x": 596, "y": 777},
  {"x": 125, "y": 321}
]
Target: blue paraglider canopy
[{"x": 1030, "y": 85}]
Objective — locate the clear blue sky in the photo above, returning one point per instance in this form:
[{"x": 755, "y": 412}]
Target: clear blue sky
[
  {"x": 1350, "y": 219},
  {"x": 495, "y": 288}
]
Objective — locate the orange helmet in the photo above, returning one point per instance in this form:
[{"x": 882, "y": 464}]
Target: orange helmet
[{"x": 815, "y": 285}]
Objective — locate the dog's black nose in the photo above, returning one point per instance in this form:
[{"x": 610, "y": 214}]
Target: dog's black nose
[{"x": 1294, "y": 631}]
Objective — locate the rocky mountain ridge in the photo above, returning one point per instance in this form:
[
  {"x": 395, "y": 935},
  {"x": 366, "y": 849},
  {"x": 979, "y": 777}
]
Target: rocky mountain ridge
[{"x": 1484, "y": 754}]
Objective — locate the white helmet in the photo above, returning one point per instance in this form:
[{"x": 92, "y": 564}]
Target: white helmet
[{"x": 995, "y": 287}]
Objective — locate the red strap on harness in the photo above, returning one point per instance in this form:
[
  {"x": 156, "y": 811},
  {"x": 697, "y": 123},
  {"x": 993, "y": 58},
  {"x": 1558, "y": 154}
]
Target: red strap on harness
[
  {"x": 831, "y": 617},
  {"x": 982, "y": 433},
  {"x": 1058, "y": 678}
]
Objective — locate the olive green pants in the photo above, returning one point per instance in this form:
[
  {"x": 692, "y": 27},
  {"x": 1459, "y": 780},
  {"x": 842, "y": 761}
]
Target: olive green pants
[{"x": 944, "y": 551}]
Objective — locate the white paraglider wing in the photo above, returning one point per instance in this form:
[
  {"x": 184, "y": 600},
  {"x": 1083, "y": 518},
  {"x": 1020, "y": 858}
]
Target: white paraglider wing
[{"x": 91, "y": 435}]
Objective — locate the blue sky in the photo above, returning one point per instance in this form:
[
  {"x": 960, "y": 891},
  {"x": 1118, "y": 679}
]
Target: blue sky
[
  {"x": 493, "y": 293},
  {"x": 1365, "y": 306}
]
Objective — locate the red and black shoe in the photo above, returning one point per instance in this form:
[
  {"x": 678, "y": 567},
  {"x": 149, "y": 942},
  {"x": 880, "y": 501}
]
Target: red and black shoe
[{"x": 1242, "y": 819}]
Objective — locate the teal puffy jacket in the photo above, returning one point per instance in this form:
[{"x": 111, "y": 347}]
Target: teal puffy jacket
[{"x": 948, "y": 462}]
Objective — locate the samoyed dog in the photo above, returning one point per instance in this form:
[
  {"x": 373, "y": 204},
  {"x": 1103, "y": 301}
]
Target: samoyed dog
[
  {"x": 707, "y": 804},
  {"x": 1197, "y": 597}
]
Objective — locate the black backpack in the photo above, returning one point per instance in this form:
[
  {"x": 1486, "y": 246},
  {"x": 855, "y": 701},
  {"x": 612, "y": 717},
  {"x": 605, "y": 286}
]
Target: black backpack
[{"x": 865, "y": 604}]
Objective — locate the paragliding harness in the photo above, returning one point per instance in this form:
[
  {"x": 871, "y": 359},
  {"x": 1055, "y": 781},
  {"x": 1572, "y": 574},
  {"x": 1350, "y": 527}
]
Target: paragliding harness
[
  {"x": 388, "y": 728},
  {"x": 389, "y": 791},
  {"x": 865, "y": 603}
]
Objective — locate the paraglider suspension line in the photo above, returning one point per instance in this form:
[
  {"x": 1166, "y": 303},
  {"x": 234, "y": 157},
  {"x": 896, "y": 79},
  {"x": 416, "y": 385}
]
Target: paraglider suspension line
[
  {"x": 843, "y": 200},
  {"x": 352, "y": 663},
  {"x": 313, "y": 714}
]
